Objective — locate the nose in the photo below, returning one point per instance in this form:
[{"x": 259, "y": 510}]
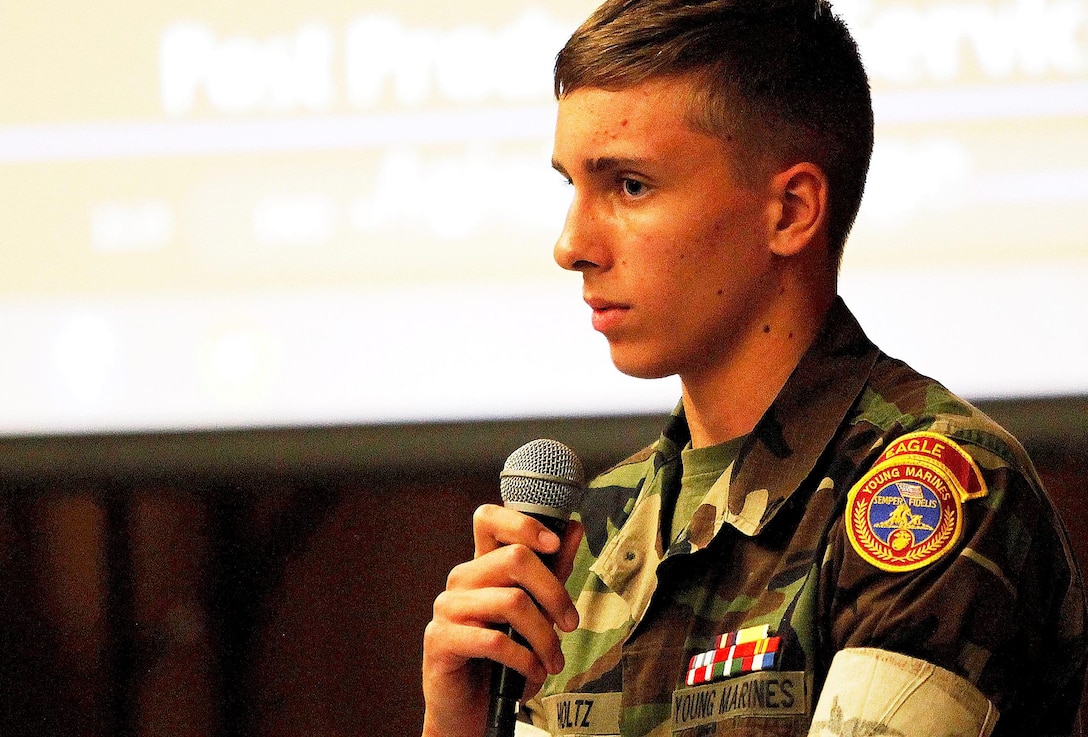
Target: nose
[{"x": 580, "y": 246}]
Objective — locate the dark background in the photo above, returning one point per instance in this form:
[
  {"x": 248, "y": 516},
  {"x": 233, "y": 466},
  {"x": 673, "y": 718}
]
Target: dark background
[{"x": 277, "y": 582}]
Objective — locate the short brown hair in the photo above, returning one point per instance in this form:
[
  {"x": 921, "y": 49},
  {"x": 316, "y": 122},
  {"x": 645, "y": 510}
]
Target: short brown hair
[{"x": 781, "y": 76}]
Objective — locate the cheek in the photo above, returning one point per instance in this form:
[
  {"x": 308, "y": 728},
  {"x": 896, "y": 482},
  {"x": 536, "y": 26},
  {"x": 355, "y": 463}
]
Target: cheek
[
  {"x": 740, "y": 236},
  {"x": 709, "y": 250}
]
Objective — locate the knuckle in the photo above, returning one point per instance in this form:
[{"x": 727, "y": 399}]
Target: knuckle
[
  {"x": 456, "y": 576},
  {"x": 495, "y": 640},
  {"x": 517, "y": 600},
  {"x": 482, "y": 515},
  {"x": 433, "y": 635},
  {"x": 520, "y": 555},
  {"x": 441, "y": 606}
]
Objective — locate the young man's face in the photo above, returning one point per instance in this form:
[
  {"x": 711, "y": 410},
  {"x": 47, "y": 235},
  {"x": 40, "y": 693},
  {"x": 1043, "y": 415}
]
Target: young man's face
[{"x": 671, "y": 245}]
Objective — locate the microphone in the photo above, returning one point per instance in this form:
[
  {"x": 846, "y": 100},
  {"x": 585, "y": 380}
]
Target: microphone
[{"x": 543, "y": 479}]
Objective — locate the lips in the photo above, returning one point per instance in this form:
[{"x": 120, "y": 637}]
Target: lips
[{"x": 607, "y": 315}]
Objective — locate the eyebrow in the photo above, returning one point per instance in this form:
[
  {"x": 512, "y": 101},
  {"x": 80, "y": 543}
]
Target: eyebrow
[{"x": 603, "y": 164}]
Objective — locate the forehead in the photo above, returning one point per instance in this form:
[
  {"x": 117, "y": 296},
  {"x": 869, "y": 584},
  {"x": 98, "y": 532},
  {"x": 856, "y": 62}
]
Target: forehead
[
  {"x": 661, "y": 97},
  {"x": 650, "y": 115}
]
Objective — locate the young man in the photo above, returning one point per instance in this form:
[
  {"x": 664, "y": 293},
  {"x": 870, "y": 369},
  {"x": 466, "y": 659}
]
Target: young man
[{"x": 821, "y": 539}]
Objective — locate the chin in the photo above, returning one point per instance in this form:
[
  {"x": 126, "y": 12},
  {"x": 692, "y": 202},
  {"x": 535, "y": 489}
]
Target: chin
[{"x": 640, "y": 367}]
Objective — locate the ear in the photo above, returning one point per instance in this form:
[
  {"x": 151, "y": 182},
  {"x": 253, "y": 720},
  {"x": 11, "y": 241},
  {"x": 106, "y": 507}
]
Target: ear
[{"x": 800, "y": 193}]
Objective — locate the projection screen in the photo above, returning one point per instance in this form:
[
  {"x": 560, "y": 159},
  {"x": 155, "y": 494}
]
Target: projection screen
[{"x": 288, "y": 213}]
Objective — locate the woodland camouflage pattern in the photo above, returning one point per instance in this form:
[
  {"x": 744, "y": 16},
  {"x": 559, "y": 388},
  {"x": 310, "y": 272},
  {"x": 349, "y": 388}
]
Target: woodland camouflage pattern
[{"x": 1004, "y": 609}]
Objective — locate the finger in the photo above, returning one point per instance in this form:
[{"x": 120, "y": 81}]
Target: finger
[
  {"x": 509, "y": 565},
  {"x": 448, "y": 646},
  {"x": 532, "y": 686},
  {"x": 494, "y": 526},
  {"x": 564, "y": 563},
  {"x": 568, "y": 550},
  {"x": 487, "y": 608},
  {"x": 515, "y": 566}
]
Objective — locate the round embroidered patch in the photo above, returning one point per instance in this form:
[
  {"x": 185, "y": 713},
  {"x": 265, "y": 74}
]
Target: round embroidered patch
[{"x": 904, "y": 514}]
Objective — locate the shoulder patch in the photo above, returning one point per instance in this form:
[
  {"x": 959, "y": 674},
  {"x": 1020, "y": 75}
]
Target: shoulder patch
[
  {"x": 905, "y": 513},
  {"x": 944, "y": 452}
]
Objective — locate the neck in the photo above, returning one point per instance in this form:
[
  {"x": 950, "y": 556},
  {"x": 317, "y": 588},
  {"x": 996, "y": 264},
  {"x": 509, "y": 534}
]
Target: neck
[{"x": 725, "y": 401}]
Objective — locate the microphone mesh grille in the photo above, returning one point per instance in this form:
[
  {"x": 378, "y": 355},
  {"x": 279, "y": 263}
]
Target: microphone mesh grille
[{"x": 561, "y": 469}]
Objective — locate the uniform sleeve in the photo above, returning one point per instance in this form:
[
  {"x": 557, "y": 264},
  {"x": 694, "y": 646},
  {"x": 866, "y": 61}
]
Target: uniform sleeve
[{"x": 1002, "y": 609}]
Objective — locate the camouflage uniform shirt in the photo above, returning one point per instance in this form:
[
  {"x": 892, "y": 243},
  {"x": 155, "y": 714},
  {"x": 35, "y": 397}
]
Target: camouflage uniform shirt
[{"x": 1004, "y": 609}]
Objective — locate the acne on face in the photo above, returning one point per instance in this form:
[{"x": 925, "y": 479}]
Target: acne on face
[{"x": 661, "y": 227}]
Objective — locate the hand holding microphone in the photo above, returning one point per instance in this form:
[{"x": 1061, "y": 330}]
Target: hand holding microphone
[
  {"x": 506, "y": 583},
  {"x": 543, "y": 479}
]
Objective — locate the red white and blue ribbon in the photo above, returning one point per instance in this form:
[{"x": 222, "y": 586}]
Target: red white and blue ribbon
[{"x": 734, "y": 659}]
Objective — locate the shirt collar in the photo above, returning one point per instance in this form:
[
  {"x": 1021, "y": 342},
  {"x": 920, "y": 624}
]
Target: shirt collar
[{"x": 786, "y": 443}]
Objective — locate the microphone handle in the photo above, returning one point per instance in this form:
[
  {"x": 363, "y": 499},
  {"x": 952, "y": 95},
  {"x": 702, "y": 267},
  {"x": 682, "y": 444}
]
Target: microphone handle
[{"x": 507, "y": 685}]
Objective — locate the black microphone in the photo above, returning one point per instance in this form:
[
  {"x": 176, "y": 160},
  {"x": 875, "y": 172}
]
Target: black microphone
[{"x": 543, "y": 479}]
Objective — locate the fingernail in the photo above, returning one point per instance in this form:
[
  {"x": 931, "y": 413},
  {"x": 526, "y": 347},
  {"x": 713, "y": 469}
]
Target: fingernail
[
  {"x": 570, "y": 620},
  {"x": 558, "y": 662},
  {"x": 548, "y": 539}
]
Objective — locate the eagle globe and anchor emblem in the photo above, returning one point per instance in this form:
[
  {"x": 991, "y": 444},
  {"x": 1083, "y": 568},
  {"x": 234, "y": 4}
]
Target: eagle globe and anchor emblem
[
  {"x": 902, "y": 522},
  {"x": 904, "y": 515}
]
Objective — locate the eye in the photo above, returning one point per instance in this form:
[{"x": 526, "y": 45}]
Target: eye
[{"x": 633, "y": 187}]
